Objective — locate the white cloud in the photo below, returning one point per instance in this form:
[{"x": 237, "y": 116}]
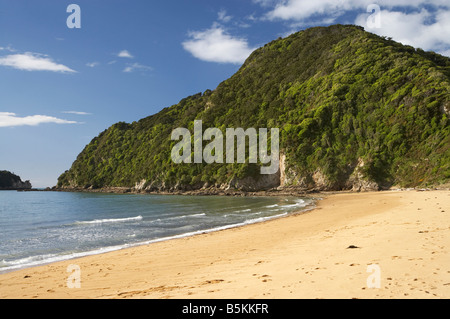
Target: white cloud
[
  {"x": 33, "y": 62},
  {"x": 7, "y": 48},
  {"x": 92, "y": 64},
  {"x": 420, "y": 23},
  {"x": 445, "y": 52},
  {"x": 303, "y": 9},
  {"x": 125, "y": 54},
  {"x": 222, "y": 16},
  {"x": 266, "y": 3},
  {"x": 76, "y": 113},
  {"x": 8, "y": 119},
  {"x": 136, "y": 66},
  {"x": 215, "y": 45},
  {"x": 414, "y": 28}
]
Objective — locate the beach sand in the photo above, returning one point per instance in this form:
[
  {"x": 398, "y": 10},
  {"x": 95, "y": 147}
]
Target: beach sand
[{"x": 399, "y": 241}]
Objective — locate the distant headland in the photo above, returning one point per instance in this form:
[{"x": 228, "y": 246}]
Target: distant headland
[{"x": 10, "y": 181}]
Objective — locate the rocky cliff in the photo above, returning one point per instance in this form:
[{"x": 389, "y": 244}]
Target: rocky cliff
[{"x": 10, "y": 181}]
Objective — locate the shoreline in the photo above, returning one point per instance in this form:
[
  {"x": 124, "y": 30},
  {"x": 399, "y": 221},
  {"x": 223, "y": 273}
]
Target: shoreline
[
  {"x": 212, "y": 191},
  {"x": 106, "y": 249},
  {"x": 218, "y": 191},
  {"x": 304, "y": 255}
]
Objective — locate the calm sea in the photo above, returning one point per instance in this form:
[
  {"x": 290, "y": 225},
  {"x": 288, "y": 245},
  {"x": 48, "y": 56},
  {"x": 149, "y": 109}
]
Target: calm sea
[{"x": 42, "y": 227}]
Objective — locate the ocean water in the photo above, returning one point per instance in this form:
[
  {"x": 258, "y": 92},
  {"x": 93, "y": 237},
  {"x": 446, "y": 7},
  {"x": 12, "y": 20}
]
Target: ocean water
[{"x": 43, "y": 227}]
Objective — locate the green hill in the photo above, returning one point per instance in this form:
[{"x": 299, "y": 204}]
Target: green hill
[{"x": 355, "y": 111}]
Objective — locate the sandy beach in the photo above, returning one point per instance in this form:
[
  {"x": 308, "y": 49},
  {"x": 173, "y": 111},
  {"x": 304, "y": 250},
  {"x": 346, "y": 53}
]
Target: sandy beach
[{"x": 392, "y": 244}]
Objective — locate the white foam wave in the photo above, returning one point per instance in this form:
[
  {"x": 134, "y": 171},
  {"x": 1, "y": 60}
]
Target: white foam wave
[
  {"x": 298, "y": 203},
  {"x": 51, "y": 258},
  {"x": 196, "y": 215},
  {"x": 180, "y": 217},
  {"x": 110, "y": 220}
]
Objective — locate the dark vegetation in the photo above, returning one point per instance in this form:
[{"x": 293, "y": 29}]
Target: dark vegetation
[{"x": 9, "y": 180}]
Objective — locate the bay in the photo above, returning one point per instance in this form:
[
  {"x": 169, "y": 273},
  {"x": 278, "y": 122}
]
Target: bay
[{"x": 42, "y": 227}]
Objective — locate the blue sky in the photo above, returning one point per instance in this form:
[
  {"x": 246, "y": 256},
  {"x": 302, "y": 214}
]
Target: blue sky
[{"x": 60, "y": 87}]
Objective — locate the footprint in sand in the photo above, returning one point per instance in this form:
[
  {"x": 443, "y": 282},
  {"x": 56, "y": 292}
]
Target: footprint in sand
[
  {"x": 266, "y": 278},
  {"x": 214, "y": 281}
]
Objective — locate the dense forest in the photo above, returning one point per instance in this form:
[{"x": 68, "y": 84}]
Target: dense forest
[{"x": 355, "y": 111}]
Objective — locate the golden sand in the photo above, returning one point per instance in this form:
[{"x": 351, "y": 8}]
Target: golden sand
[{"x": 392, "y": 244}]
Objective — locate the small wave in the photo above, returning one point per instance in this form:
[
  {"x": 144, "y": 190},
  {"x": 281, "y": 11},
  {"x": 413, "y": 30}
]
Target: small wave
[
  {"x": 298, "y": 203},
  {"x": 240, "y": 211},
  {"x": 38, "y": 260},
  {"x": 3, "y": 263},
  {"x": 196, "y": 215},
  {"x": 238, "y": 214},
  {"x": 111, "y": 220},
  {"x": 272, "y": 206},
  {"x": 180, "y": 217},
  {"x": 261, "y": 219},
  {"x": 290, "y": 205},
  {"x": 25, "y": 261}
]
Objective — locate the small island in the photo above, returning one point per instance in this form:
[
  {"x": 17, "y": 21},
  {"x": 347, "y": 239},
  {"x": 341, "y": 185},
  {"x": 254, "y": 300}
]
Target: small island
[{"x": 10, "y": 181}]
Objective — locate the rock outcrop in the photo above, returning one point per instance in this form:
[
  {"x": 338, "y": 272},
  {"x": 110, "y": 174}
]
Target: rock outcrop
[{"x": 10, "y": 181}]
